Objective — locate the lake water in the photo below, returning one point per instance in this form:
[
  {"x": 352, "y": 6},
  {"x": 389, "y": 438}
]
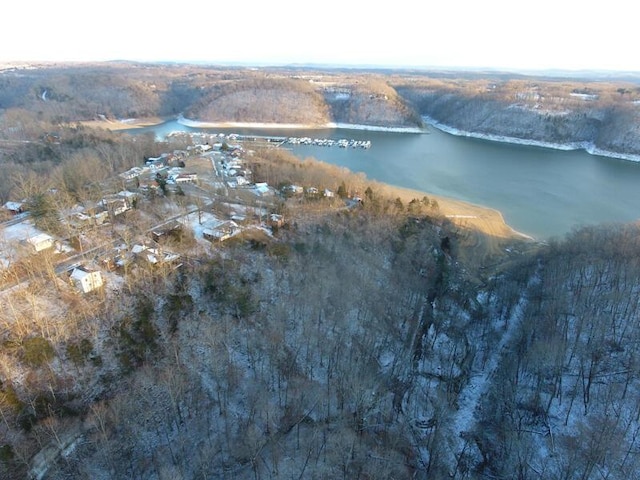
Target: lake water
[{"x": 540, "y": 191}]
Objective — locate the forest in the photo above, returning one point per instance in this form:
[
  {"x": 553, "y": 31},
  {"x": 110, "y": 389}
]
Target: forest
[{"x": 357, "y": 339}]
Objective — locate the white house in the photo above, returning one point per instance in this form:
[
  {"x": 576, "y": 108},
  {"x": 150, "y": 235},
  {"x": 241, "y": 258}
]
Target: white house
[
  {"x": 134, "y": 172},
  {"x": 276, "y": 220},
  {"x": 261, "y": 189},
  {"x": 85, "y": 280},
  {"x": 14, "y": 207},
  {"x": 115, "y": 204},
  {"x": 220, "y": 230},
  {"x": 41, "y": 242},
  {"x": 154, "y": 256},
  {"x": 186, "y": 178},
  {"x": 129, "y": 197},
  {"x": 240, "y": 181}
]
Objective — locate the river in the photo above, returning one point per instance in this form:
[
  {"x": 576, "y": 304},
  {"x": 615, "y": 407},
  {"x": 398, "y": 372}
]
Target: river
[{"x": 540, "y": 191}]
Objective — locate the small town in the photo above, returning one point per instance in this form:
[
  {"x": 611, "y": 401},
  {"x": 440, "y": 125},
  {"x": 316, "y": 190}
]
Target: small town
[{"x": 207, "y": 191}]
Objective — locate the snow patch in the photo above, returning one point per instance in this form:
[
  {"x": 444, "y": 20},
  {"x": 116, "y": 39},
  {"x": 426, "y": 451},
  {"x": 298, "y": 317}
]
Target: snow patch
[{"x": 299, "y": 126}]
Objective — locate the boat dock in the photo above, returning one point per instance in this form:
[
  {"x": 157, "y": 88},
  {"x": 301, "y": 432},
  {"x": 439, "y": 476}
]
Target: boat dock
[
  {"x": 329, "y": 142},
  {"x": 277, "y": 141}
]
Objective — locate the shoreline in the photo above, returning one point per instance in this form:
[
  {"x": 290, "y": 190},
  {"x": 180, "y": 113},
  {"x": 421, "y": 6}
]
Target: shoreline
[
  {"x": 588, "y": 147},
  {"x": 486, "y": 219},
  {"x": 125, "y": 123},
  {"x": 296, "y": 126},
  {"x": 133, "y": 123}
]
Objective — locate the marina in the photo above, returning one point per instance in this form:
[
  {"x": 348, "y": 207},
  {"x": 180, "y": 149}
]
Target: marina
[
  {"x": 204, "y": 137},
  {"x": 328, "y": 142}
]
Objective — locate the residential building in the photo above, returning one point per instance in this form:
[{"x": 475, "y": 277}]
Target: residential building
[
  {"x": 220, "y": 230},
  {"x": 41, "y": 242},
  {"x": 86, "y": 280}
]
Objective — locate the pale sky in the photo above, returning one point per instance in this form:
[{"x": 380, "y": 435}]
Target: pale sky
[{"x": 542, "y": 34}]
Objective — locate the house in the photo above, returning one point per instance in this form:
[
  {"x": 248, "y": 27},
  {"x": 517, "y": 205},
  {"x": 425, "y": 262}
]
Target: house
[
  {"x": 261, "y": 189},
  {"x": 186, "y": 178},
  {"x": 233, "y": 167},
  {"x": 220, "y": 230},
  {"x": 148, "y": 186},
  {"x": 276, "y": 220},
  {"x": 328, "y": 193},
  {"x": 97, "y": 212},
  {"x": 14, "y": 207},
  {"x": 241, "y": 181},
  {"x": 79, "y": 220},
  {"x": 129, "y": 197},
  {"x": 86, "y": 280},
  {"x": 115, "y": 204},
  {"x": 238, "y": 218},
  {"x": 133, "y": 173},
  {"x": 200, "y": 149},
  {"x": 41, "y": 242},
  {"x": 157, "y": 162},
  {"x": 154, "y": 256},
  {"x": 100, "y": 217},
  {"x": 292, "y": 190},
  {"x": 171, "y": 230}
]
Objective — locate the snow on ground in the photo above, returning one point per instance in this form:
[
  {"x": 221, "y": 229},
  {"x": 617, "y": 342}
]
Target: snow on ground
[
  {"x": 296, "y": 126},
  {"x": 374, "y": 128},
  {"x": 11, "y": 236},
  {"x": 198, "y": 222},
  {"x": 19, "y": 231},
  {"x": 586, "y": 146},
  {"x": 471, "y": 395}
]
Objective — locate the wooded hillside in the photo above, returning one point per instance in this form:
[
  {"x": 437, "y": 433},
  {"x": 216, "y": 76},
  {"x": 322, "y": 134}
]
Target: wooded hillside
[{"x": 601, "y": 114}]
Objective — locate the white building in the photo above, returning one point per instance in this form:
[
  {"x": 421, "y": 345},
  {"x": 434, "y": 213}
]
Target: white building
[
  {"x": 261, "y": 189},
  {"x": 41, "y": 242},
  {"x": 14, "y": 207},
  {"x": 86, "y": 281},
  {"x": 220, "y": 230}
]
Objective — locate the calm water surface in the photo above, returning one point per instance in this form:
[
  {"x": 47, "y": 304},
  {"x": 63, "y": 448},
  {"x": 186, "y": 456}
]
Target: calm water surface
[{"x": 541, "y": 192}]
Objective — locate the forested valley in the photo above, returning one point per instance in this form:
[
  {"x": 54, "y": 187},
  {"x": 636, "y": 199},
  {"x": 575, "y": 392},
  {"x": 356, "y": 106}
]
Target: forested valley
[{"x": 364, "y": 337}]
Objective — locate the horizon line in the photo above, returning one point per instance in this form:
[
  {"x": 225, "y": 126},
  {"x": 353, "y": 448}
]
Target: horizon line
[{"x": 337, "y": 65}]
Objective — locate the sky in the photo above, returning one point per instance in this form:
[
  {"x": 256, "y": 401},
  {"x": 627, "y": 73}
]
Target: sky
[{"x": 508, "y": 35}]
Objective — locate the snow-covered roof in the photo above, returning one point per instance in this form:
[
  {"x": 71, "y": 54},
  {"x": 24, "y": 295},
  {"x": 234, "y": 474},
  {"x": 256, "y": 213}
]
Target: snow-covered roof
[
  {"x": 127, "y": 194},
  {"x": 13, "y": 206},
  {"x": 39, "y": 238},
  {"x": 138, "y": 249},
  {"x": 79, "y": 273},
  {"x": 153, "y": 255},
  {"x": 261, "y": 188}
]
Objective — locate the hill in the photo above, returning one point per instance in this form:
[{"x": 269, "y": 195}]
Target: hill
[{"x": 596, "y": 115}]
